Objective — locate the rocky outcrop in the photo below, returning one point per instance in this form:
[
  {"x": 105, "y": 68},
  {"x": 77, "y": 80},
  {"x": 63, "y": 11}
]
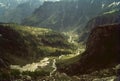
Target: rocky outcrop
[{"x": 102, "y": 51}]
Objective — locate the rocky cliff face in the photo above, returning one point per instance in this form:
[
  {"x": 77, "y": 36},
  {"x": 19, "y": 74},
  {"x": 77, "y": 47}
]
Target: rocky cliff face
[{"x": 102, "y": 51}]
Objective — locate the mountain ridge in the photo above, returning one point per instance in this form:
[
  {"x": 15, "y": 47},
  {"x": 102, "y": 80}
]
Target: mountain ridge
[{"x": 69, "y": 14}]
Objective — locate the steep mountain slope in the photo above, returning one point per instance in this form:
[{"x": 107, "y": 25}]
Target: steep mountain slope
[
  {"x": 10, "y": 3},
  {"x": 108, "y": 17},
  {"x": 102, "y": 51},
  {"x": 21, "y": 45},
  {"x": 6, "y": 5},
  {"x": 69, "y": 14},
  {"x": 15, "y": 10}
]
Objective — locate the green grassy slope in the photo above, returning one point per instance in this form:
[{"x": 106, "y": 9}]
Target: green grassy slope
[{"x": 23, "y": 44}]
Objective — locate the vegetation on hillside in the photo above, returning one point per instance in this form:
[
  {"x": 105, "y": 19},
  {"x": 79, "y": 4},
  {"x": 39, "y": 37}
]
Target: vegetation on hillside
[{"x": 17, "y": 42}]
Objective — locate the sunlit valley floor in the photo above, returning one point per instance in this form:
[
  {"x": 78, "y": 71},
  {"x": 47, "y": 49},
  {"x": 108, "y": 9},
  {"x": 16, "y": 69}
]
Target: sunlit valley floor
[
  {"x": 39, "y": 54},
  {"x": 50, "y": 48}
]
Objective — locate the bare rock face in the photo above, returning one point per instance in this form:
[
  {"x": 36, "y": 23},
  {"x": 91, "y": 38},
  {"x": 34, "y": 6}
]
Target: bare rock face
[
  {"x": 103, "y": 48},
  {"x": 102, "y": 51}
]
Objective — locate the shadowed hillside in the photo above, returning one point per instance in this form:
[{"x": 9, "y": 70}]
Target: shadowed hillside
[
  {"x": 110, "y": 17},
  {"x": 102, "y": 51},
  {"x": 21, "y": 45}
]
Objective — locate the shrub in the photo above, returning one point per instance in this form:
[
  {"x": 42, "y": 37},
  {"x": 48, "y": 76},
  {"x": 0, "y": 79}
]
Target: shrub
[
  {"x": 36, "y": 73},
  {"x": 4, "y": 76},
  {"x": 15, "y": 73}
]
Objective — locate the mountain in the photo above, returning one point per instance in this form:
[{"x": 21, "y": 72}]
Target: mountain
[
  {"x": 10, "y": 4},
  {"x": 101, "y": 55},
  {"x": 108, "y": 17},
  {"x": 21, "y": 45},
  {"x": 33, "y": 51},
  {"x": 15, "y": 10},
  {"x": 69, "y": 14},
  {"x": 14, "y": 3}
]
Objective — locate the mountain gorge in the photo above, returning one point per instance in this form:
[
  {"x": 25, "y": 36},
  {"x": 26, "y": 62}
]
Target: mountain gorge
[{"x": 59, "y": 40}]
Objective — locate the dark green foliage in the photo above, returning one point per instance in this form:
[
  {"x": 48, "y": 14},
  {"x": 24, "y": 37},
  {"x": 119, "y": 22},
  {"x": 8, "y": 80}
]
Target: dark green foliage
[
  {"x": 60, "y": 52},
  {"x": 36, "y": 74},
  {"x": 55, "y": 39},
  {"x": 4, "y": 75},
  {"x": 21, "y": 45},
  {"x": 14, "y": 72}
]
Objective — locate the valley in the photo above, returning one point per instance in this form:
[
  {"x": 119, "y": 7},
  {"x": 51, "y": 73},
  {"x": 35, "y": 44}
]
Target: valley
[
  {"x": 48, "y": 64},
  {"x": 59, "y": 40}
]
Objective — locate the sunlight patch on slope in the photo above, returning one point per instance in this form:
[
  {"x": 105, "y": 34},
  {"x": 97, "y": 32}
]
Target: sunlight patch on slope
[
  {"x": 109, "y": 12},
  {"x": 72, "y": 36},
  {"x": 114, "y": 4},
  {"x": 32, "y": 67}
]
